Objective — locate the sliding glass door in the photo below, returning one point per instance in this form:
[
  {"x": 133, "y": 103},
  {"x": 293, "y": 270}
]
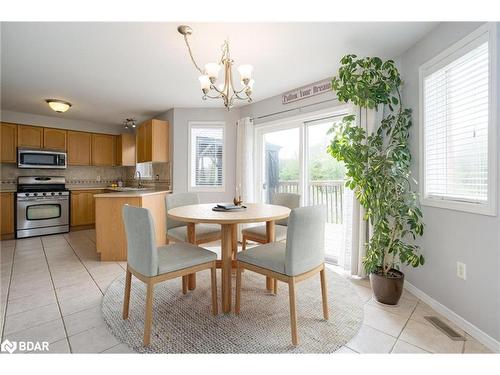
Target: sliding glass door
[
  {"x": 292, "y": 158},
  {"x": 281, "y": 158},
  {"x": 325, "y": 182}
]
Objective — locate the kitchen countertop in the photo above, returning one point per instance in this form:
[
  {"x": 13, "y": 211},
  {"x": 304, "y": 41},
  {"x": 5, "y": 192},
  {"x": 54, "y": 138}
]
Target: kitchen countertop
[
  {"x": 8, "y": 190},
  {"x": 83, "y": 187},
  {"x": 132, "y": 194}
]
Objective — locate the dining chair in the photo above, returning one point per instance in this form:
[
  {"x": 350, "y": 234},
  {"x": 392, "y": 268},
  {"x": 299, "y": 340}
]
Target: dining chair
[
  {"x": 258, "y": 233},
  {"x": 152, "y": 264},
  {"x": 177, "y": 230},
  {"x": 302, "y": 257}
]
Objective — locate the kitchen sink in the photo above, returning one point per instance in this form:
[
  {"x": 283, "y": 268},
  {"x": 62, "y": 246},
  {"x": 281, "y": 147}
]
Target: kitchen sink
[{"x": 127, "y": 188}]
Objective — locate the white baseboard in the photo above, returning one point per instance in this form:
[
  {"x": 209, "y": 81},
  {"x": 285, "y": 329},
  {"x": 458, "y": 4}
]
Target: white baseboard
[{"x": 468, "y": 327}]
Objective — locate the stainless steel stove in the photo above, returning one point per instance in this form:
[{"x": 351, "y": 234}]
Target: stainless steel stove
[{"x": 42, "y": 206}]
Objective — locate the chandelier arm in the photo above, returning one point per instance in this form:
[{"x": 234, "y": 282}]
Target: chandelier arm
[
  {"x": 215, "y": 97},
  {"x": 191, "y": 54},
  {"x": 239, "y": 97},
  {"x": 240, "y": 91},
  {"x": 213, "y": 87}
]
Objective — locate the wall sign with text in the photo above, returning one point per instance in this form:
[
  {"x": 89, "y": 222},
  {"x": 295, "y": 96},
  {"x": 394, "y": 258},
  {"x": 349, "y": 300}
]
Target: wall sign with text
[{"x": 307, "y": 91}]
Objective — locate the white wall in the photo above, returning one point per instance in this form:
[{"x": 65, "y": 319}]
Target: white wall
[
  {"x": 179, "y": 119},
  {"x": 59, "y": 122},
  {"x": 452, "y": 236}
]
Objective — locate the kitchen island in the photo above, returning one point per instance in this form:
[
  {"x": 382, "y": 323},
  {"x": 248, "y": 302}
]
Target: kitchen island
[{"x": 111, "y": 242}]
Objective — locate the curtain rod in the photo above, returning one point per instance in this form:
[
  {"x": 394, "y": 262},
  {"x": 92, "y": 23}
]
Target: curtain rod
[{"x": 293, "y": 109}]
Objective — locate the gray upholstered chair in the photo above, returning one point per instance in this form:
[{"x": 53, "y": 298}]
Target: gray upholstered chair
[
  {"x": 301, "y": 257},
  {"x": 177, "y": 230},
  {"x": 258, "y": 233},
  {"x": 152, "y": 264}
]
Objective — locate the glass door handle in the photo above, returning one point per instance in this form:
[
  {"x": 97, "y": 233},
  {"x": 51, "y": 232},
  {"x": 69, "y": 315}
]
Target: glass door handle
[{"x": 264, "y": 186}]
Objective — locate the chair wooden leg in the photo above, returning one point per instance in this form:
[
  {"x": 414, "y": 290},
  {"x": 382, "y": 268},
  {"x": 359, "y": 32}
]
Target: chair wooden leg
[
  {"x": 126, "y": 298},
  {"x": 213, "y": 274},
  {"x": 238, "y": 289},
  {"x": 275, "y": 286},
  {"x": 324, "y": 294},
  {"x": 184, "y": 284},
  {"x": 243, "y": 243},
  {"x": 293, "y": 311},
  {"x": 149, "y": 314}
]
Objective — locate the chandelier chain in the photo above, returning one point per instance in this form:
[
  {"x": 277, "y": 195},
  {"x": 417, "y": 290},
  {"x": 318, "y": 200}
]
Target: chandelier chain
[{"x": 191, "y": 55}]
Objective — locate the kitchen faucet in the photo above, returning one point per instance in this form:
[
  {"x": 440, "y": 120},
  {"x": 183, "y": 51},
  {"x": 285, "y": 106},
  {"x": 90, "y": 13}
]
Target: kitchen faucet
[{"x": 139, "y": 182}]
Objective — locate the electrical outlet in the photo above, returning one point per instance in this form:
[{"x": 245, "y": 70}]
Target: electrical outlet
[
  {"x": 461, "y": 271},
  {"x": 98, "y": 178}
]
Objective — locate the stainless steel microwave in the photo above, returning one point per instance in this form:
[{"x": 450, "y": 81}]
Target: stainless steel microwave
[{"x": 47, "y": 159}]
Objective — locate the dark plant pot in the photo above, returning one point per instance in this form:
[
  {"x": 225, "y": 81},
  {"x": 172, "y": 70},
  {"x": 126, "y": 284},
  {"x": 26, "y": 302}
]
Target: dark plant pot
[{"x": 387, "y": 289}]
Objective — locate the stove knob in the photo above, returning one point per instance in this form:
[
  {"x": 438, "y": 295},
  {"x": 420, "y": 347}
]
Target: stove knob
[
  {"x": 60, "y": 193},
  {"x": 35, "y": 194},
  {"x": 53, "y": 193},
  {"x": 44, "y": 194},
  {"x": 27, "y": 194}
]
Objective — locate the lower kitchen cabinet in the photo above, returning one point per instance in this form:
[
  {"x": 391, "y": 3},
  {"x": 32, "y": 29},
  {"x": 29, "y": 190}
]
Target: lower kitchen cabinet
[
  {"x": 83, "y": 208},
  {"x": 7, "y": 215}
]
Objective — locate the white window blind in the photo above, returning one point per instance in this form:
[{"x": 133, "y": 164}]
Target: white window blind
[
  {"x": 207, "y": 157},
  {"x": 145, "y": 169},
  {"x": 455, "y": 126}
]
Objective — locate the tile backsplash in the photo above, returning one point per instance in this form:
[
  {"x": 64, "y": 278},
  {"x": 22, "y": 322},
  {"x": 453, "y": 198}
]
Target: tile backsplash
[{"x": 83, "y": 175}]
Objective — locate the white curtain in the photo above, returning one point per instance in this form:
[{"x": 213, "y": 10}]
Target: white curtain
[
  {"x": 244, "y": 159},
  {"x": 244, "y": 162},
  {"x": 357, "y": 231}
]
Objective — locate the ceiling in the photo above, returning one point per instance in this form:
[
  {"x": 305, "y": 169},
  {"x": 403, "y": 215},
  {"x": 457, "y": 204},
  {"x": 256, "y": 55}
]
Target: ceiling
[{"x": 110, "y": 71}]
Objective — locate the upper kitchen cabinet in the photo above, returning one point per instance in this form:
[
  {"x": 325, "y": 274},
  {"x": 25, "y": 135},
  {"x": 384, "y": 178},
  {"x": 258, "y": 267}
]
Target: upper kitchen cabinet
[
  {"x": 29, "y": 136},
  {"x": 54, "y": 139},
  {"x": 152, "y": 141},
  {"x": 8, "y": 143},
  {"x": 79, "y": 148},
  {"x": 103, "y": 150},
  {"x": 125, "y": 150}
]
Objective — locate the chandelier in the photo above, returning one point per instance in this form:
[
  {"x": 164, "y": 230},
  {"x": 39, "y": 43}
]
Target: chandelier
[{"x": 208, "y": 79}]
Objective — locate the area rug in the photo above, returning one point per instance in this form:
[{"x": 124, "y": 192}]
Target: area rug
[{"x": 184, "y": 323}]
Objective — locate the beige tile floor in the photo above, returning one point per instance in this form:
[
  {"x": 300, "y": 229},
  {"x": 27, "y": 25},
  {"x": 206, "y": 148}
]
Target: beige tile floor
[{"x": 52, "y": 287}]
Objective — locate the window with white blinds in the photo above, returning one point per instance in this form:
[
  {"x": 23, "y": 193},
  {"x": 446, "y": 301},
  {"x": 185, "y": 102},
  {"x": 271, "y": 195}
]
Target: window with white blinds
[
  {"x": 207, "y": 157},
  {"x": 456, "y": 126}
]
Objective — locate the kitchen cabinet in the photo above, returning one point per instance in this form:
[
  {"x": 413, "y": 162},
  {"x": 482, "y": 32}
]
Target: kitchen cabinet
[
  {"x": 125, "y": 150},
  {"x": 83, "y": 207},
  {"x": 103, "y": 150},
  {"x": 79, "y": 148},
  {"x": 54, "y": 139},
  {"x": 152, "y": 141},
  {"x": 7, "y": 215},
  {"x": 29, "y": 136},
  {"x": 8, "y": 143}
]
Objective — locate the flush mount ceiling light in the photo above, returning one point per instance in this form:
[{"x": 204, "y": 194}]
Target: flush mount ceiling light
[
  {"x": 59, "y": 106},
  {"x": 225, "y": 90},
  {"x": 129, "y": 123}
]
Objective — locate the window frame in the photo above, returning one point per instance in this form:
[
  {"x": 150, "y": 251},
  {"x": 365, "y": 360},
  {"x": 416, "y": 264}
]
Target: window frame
[
  {"x": 487, "y": 32},
  {"x": 207, "y": 125}
]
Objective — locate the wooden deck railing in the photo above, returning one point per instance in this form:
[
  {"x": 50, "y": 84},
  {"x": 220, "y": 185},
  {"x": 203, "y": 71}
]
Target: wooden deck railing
[{"x": 330, "y": 193}]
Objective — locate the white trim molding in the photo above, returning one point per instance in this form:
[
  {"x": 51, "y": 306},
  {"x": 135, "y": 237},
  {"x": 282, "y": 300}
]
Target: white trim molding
[
  {"x": 487, "y": 32},
  {"x": 471, "y": 329},
  {"x": 207, "y": 124}
]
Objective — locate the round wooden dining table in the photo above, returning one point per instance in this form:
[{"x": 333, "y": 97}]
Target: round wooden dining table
[{"x": 203, "y": 213}]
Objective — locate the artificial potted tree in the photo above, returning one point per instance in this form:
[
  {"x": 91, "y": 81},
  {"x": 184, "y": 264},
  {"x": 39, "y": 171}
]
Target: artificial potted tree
[{"x": 378, "y": 170}]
